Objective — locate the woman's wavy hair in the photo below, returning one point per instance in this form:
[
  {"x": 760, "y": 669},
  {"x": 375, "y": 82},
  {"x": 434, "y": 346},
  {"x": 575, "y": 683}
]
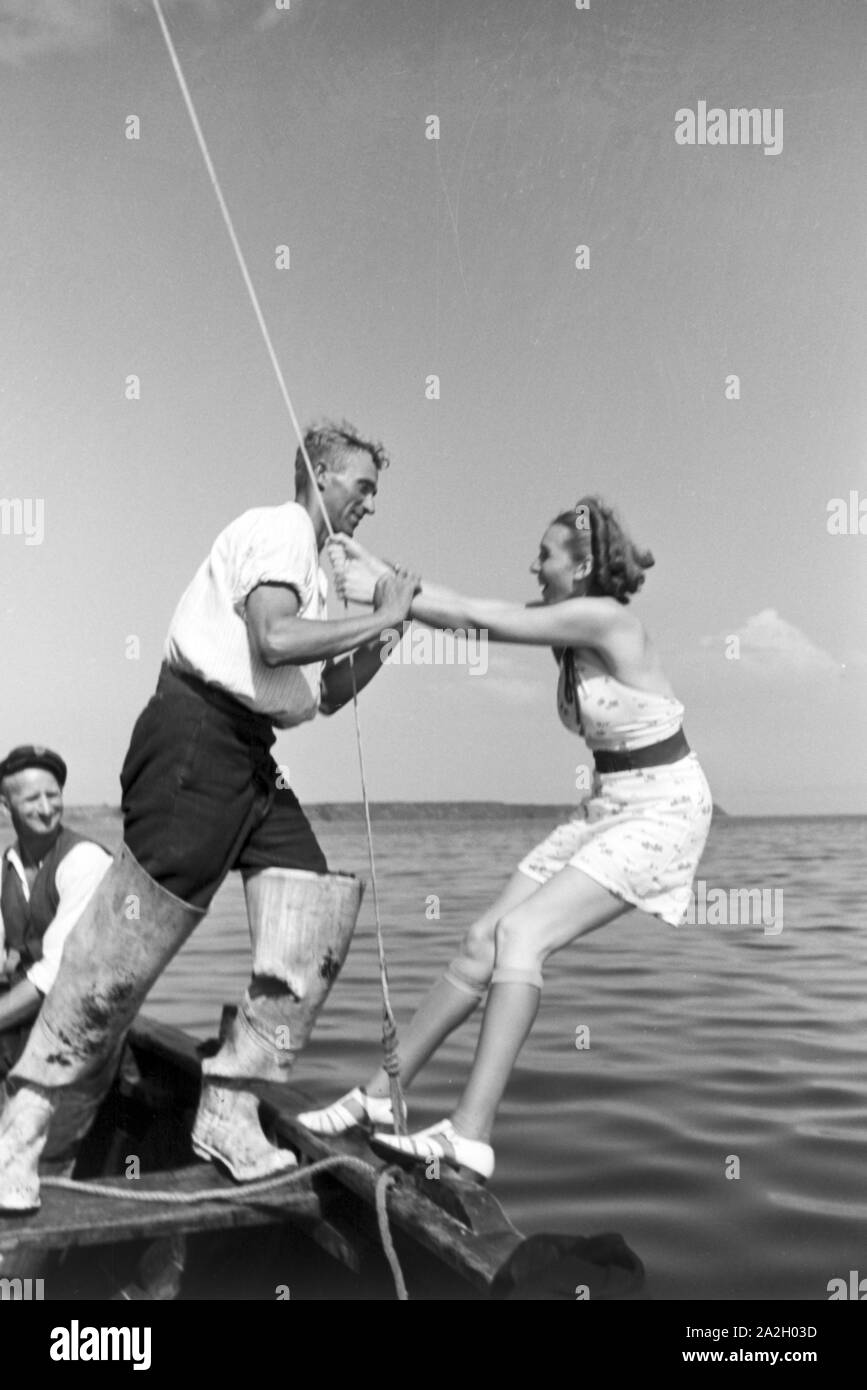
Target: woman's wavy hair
[{"x": 618, "y": 564}]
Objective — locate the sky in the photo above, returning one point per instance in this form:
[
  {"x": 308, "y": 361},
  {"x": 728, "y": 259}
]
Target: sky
[{"x": 411, "y": 257}]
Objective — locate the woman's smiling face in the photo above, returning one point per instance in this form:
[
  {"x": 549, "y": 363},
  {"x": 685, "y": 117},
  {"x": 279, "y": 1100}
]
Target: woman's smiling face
[{"x": 556, "y": 565}]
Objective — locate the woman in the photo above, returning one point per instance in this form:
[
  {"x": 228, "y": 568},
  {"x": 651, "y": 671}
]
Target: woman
[{"x": 635, "y": 842}]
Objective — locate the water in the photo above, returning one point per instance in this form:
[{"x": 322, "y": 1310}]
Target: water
[{"x": 707, "y": 1044}]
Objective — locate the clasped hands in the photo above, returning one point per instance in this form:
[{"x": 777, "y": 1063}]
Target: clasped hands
[{"x": 360, "y": 577}]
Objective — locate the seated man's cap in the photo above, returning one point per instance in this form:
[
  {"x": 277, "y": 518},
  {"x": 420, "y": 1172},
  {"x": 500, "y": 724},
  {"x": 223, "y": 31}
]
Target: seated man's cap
[{"x": 33, "y": 755}]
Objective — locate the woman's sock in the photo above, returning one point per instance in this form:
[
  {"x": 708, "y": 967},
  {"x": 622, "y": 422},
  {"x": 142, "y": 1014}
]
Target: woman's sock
[
  {"x": 439, "y": 1014},
  {"x": 509, "y": 1015}
]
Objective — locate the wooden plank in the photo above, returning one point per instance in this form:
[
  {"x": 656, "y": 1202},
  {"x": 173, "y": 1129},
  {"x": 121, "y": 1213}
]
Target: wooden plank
[
  {"x": 69, "y": 1218},
  {"x": 475, "y": 1246},
  {"x": 459, "y": 1222}
]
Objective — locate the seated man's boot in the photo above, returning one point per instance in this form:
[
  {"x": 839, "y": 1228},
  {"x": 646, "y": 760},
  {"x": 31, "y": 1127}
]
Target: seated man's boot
[
  {"x": 125, "y": 937},
  {"x": 301, "y": 925}
]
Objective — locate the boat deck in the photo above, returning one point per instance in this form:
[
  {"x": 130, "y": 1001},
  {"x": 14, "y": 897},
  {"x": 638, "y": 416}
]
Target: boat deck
[
  {"x": 459, "y": 1224},
  {"x": 74, "y": 1217},
  {"x": 452, "y": 1234}
]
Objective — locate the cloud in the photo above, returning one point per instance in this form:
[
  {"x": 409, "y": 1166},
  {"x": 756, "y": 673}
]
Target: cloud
[
  {"x": 31, "y": 28},
  {"x": 271, "y": 15},
  {"x": 769, "y": 646},
  {"x": 505, "y": 676},
  {"x": 512, "y": 690},
  {"x": 515, "y": 676}
]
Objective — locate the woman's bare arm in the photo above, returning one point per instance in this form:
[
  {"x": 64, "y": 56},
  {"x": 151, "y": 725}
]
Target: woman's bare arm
[{"x": 588, "y": 622}]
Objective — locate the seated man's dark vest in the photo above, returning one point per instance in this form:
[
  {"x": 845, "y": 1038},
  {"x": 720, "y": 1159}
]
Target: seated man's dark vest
[{"x": 25, "y": 923}]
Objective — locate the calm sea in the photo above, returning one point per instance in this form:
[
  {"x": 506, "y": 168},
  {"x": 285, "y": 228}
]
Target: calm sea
[{"x": 714, "y": 1050}]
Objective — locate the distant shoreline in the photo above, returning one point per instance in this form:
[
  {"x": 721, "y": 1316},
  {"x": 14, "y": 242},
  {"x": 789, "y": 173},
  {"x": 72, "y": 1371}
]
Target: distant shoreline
[{"x": 386, "y": 811}]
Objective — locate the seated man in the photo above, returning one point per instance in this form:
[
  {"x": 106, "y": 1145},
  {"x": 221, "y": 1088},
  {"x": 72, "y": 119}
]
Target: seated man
[{"x": 46, "y": 879}]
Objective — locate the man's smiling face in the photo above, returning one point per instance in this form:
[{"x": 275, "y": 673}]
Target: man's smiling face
[
  {"x": 349, "y": 490},
  {"x": 35, "y": 800}
]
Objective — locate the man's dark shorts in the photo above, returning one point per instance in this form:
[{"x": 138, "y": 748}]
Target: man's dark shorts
[{"x": 200, "y": 793}]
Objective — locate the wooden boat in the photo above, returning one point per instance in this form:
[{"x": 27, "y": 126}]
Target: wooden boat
[{"x": 315, "y": 1238}]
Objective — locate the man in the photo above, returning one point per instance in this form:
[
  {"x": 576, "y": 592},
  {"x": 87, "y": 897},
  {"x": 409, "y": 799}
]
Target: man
[
  {"x": 249, "y": 647},
  {"x": 46, "y": 879}
]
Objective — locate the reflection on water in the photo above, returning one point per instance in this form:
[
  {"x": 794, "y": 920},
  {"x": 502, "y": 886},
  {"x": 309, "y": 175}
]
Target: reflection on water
[{"x": 707, "y": 1044}]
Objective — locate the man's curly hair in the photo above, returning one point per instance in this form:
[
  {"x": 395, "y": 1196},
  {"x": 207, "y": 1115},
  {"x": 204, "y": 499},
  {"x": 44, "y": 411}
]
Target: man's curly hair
[
  {"x": 333, "y": 442},
  {"x": 618, "y": 564}
]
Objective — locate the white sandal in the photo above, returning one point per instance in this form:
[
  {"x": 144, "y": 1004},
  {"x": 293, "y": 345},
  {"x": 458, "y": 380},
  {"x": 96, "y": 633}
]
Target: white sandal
[
  {"x": 470, "y": 1157},
  {"x": 354, "y": 1110}
]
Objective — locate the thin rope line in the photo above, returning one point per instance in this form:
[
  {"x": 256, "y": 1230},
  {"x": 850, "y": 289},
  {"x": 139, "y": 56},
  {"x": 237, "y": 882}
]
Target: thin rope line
[
  {"x": 237, "y": 1192},
  {"x": 236, "y": 246},
  {"x": 389, "y": 1028},
  {"x": 383, "y": 1183},
  {"x": 384, "y": 1179}
]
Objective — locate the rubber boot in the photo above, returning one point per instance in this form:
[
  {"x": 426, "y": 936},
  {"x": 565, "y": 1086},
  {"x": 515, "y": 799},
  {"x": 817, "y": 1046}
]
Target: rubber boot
[
  {"x": 301, "y": 925},
  {"x": 24, "y": 1131},
  {"x": 125, "y": 937}
]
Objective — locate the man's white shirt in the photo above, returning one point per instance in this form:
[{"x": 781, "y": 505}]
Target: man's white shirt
[{"x": 208, "y": 635}]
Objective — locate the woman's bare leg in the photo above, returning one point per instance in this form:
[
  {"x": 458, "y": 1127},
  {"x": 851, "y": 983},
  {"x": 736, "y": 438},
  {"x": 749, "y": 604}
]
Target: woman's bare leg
[
  {"x": 448, "y": 1004},
  {"x": 568, "y": 906}
]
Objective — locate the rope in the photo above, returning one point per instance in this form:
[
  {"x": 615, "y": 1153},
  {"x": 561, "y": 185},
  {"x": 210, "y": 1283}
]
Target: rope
[
  {"x": 383, "y": 1183},
  {"x": 384, "y": 1179},
  {"x": 391, "y": 1061}
]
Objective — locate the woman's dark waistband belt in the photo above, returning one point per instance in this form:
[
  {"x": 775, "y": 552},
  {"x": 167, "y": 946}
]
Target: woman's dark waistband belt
[
  {"x": 258, "y": 724},
  {"x": 670, "y": 750}
]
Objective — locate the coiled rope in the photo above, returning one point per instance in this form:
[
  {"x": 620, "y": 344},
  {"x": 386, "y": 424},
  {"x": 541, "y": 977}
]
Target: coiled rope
[
  {"x": 384, "y": 1179},
  {"x": 391, "y": 1062}
]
